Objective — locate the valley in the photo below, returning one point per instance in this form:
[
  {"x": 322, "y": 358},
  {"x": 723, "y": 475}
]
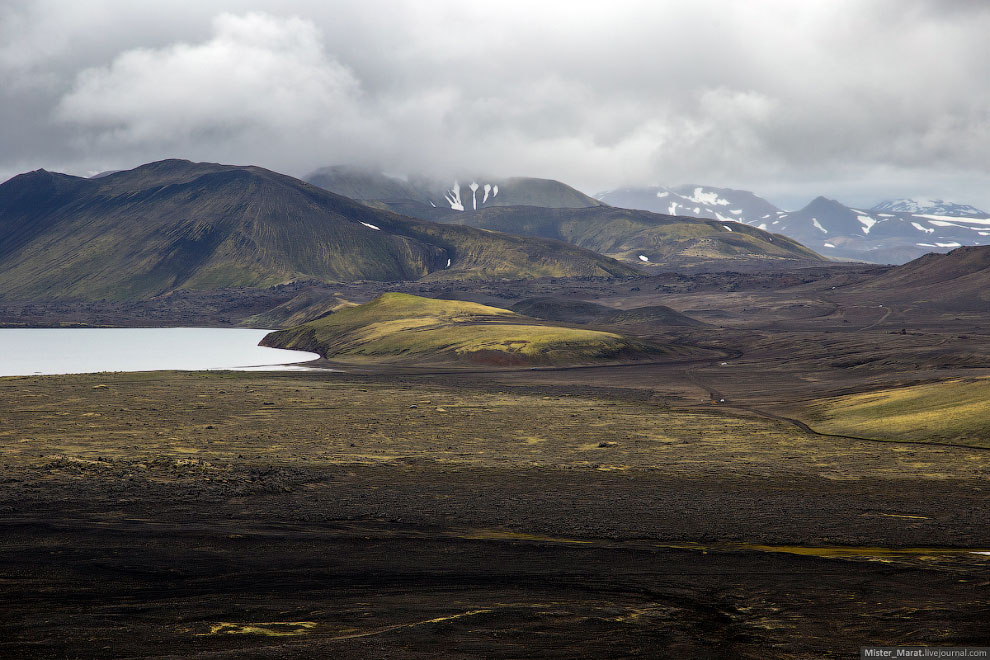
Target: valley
[{"x": 777, "y": 484}]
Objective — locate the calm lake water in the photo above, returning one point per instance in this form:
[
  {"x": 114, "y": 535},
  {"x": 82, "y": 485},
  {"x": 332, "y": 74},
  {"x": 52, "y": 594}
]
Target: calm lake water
[{"x": 30, "y": 351}]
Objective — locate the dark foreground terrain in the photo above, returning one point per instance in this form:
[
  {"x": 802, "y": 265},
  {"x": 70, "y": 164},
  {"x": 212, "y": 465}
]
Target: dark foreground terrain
[
  {"x": 807, "y": 476},
  {"x": 459, "y": 515}
]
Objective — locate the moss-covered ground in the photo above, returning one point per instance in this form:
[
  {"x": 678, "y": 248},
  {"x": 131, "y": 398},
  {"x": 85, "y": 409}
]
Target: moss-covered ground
[{"x": 953, "y": 411}]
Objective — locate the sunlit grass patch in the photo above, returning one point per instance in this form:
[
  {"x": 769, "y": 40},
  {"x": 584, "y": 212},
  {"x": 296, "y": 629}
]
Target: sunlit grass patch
[
  {"x": 268, "y": 629},
  {"x": 399, "y": 326},
  {"x": 956, "y": 411}
]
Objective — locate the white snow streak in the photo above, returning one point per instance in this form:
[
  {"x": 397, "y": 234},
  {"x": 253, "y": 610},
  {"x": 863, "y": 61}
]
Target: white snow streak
[
  {"x": 474, "y": 196},
  {"x": 371, "y": 226},
  {"x": 643, "y": 257},
  {"x": 453, "y": 197},
  {"x": 711, "y": 198},
  {"x": 969, "y": 221},
  {"x": 488, "y": 189},
  {"x": 818, "y": 225},
  {"x": 867, "y": 222},
  {"x": 954, "y": 219}
]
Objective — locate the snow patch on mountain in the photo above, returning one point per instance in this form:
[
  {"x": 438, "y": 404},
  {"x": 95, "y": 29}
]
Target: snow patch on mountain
[
  {"x": 968, "y": 221},
  {"x": 702, "y": 196},
  {"x": 453, "y": 197},
  {"x": 474, "y": 194},
  {"x": 866, "y": 221}
]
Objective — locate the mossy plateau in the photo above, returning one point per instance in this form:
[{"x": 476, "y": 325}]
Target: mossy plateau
[{"x": 403, "y": 327}]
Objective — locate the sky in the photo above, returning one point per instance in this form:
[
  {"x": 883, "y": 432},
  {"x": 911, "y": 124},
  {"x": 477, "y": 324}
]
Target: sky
[{"x": 857, "y": 100}]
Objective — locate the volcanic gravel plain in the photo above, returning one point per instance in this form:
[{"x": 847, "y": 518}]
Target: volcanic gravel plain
[{"x": 730, "y": 500}]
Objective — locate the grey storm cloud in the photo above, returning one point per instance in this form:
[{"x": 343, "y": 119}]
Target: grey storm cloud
[{"x": 849, "y": 98}]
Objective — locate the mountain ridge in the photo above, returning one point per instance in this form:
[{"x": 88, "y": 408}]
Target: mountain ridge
[
  {"x": 177, "y": 224},
  {"x": 637, "y": 237}
]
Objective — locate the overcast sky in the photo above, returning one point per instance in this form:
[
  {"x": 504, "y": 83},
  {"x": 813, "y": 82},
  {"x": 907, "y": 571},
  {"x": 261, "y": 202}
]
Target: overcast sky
[{"x": 852, "y": 99}]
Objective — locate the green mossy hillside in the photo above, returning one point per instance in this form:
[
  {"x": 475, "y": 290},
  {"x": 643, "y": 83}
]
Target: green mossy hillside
[
  {"x": 953, "y": 411},
  {"x": 406, "y": 328}
]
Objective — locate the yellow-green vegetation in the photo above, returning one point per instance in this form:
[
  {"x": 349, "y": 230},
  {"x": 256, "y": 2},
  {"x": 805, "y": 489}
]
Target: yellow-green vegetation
[
  {"x": 197, "y": 426},
  {"x": 829, "y": 552},
  {"x": 955, "y": 411},
  {"x": 267, "y": 629},
  {"x": 403, "y": 327}
]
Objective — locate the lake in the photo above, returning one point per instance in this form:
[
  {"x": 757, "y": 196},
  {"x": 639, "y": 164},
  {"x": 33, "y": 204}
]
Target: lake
[{"x": 30, "y": 351}]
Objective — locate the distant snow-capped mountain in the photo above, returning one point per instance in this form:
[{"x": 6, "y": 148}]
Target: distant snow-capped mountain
[
  {"x": 930, "y": 207},
  {"x": 893, "y": 231},
  {"x": 883, "y": 235},
  {"x": 695, "y": 201}
]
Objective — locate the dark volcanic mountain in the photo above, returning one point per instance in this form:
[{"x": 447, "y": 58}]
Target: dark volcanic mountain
[
  {"x": 550, "y": 209},
  {"x": 176, "y": 224},
  {"x": 958, "y": 281}
]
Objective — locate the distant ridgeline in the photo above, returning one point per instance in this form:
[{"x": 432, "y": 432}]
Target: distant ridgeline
[{"x": 550, "y": 209}]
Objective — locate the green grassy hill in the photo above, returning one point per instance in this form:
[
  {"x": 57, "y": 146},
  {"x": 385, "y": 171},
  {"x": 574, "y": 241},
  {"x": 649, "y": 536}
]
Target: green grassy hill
[
  {"x": 179, "y": 225},
  {"x": 639, "y": 237},
  {"x": 398, "y": 327},
  {"x": 631, "y": 235}
]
